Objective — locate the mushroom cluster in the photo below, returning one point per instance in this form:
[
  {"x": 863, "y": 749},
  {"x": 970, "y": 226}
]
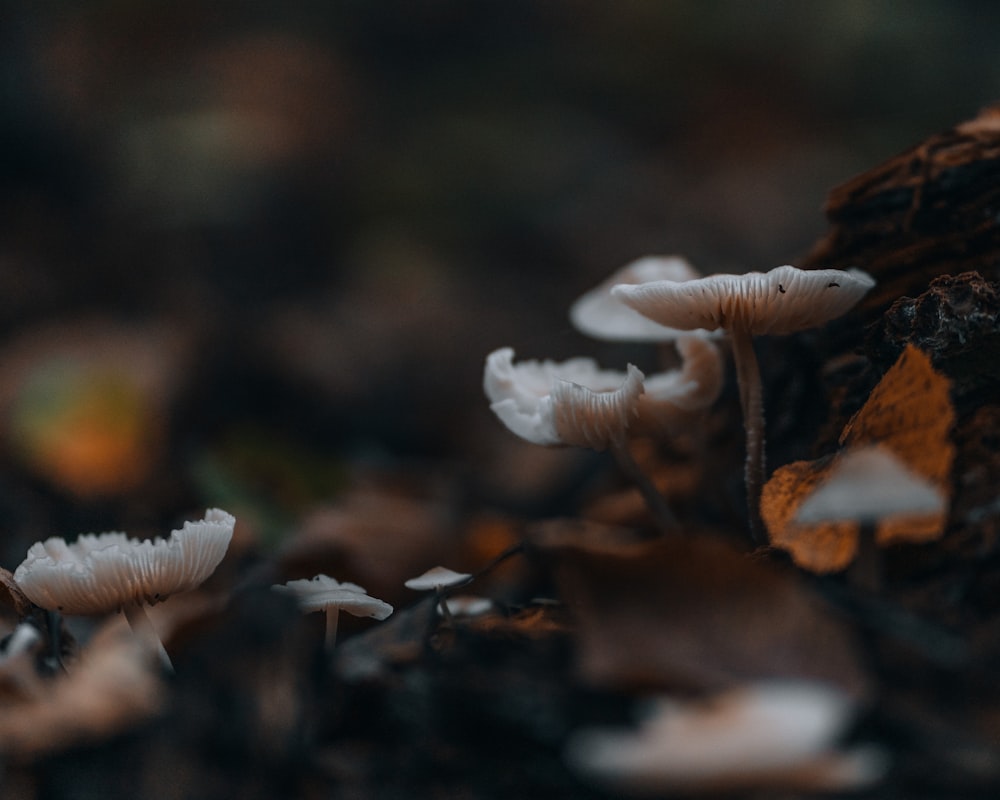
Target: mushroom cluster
[
  {"x": 662, "y": 299},
  {"x": 782, "y": 301},
  {"x": 577, "y": 403}
]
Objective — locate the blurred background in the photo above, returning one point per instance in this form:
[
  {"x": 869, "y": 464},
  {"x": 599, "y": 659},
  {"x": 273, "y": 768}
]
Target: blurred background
[{"x": 249, "y": 250}]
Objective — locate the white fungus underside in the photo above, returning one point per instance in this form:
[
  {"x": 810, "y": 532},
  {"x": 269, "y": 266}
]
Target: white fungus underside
[
  {"x": 323, "y": 592},
  {"x": 601, "y": 316},
  {"x": 784, "y": 300},
  {"x": 571, "y": 402},
  {"x": 100, "y": 573}
]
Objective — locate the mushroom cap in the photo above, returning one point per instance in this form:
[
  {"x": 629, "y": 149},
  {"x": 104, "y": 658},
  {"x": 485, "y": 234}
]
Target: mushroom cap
[
  {"x": 100, "y": 573},
  {"x": 323, "y": 593},
  {"x": 696, "y": 385},
  {"x": 600, "y": 315},
  {"x": 572, "y": 402},
  {"x": 867, "y": 484},
  {"x": 741, "y": 737},
  {"x": 436, "y": 578},
  {"x": 784, "y": 300},
  {"x": 467, "y": 605}
]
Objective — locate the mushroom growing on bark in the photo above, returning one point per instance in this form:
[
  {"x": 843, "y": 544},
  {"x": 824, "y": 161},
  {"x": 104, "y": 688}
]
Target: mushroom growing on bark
[
  {"x": 102, "y": 573},
  {"x": 781, "y": 301}
]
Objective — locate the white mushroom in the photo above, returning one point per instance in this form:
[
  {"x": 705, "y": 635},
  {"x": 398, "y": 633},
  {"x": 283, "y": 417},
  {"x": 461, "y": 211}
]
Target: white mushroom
[
  {"x": 781, "y": 301},
  {"x": 867, "y": 484},
  {"x": 870, "y": 485},
  {"x": 323, "y": 593},
  {"x": 572, "y": 402},
  {"x": 465, "y": 605},
  {"x": 779, "y": 735},
  {"x": 602, "y": 316},
  {"x": 102, "y": 573},
  {"x": 436, "y": 579}
]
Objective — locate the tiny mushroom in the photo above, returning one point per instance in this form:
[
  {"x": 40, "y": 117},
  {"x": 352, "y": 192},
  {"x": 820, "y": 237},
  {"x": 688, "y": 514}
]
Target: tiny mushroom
[
  {"x": 777, "y": 735},
  {"x": 102, "y": 573},
  {"x": 781, "y": 301},
  {"x": 436, "y": 579},
  {"x": 465, "y": 605},
  {"x": 323, "y": 593}
]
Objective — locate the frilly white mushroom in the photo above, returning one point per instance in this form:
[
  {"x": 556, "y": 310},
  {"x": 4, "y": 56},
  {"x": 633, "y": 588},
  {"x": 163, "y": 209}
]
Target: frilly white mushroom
[
  {"x": 784, "y": 300},
  {"x": 576, "y": 403},
  {"x": 323, "y": 593},
  {"x": 101, "y": 573},
  {"x": 573, "y": 402},
  {"x": 763, "y": 735},
  {"x": 600, "y": 315}
]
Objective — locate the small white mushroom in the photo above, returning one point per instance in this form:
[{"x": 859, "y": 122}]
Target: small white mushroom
[
  {"x": 436, "y": 579},
  {"x": 781, "y": 301},
  {"x": 465, "y": 605},
  {"x": 602, "y": 316},
  {"x": 102, "y": 573},
  {"x": 870, "y": 485},
  {"x": 779, "y": 735},
  {"x": 571, "y": 403},
  {"x": 323, "y": 593},
  {"x": 867, "y": 484}
]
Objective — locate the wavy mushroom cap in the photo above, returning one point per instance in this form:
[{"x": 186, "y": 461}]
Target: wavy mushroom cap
[
  {"x": 697, "y": 384},
  {"x": 100, "y": 573},
  {"x": 572, "y": 402},
  {"x": 784, "y": 300},
  {"x": 600, "y": 315},
  {"x": 323, "y": 593}
]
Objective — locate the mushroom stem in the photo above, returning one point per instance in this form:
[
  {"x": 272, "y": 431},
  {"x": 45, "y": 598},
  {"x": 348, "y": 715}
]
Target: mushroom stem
[
  {"x": 142, "y": 626},
  {"x": 866, "y": 571},
  {"x": 656, "y": 502},
  {"x": 332, "y": 618},
  {"x": 751, "y": 401}
]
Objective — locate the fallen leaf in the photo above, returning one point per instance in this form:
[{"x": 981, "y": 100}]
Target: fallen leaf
[
  {"x": 910, "y": 413},
  {"x": 693, "y": 613}
]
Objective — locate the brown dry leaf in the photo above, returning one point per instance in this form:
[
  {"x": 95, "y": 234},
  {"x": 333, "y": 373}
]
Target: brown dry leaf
[
  {"x": 824, "y": 547},
  {"x": 910, "y": 413},
  {"x": 693, "y": 613}
]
